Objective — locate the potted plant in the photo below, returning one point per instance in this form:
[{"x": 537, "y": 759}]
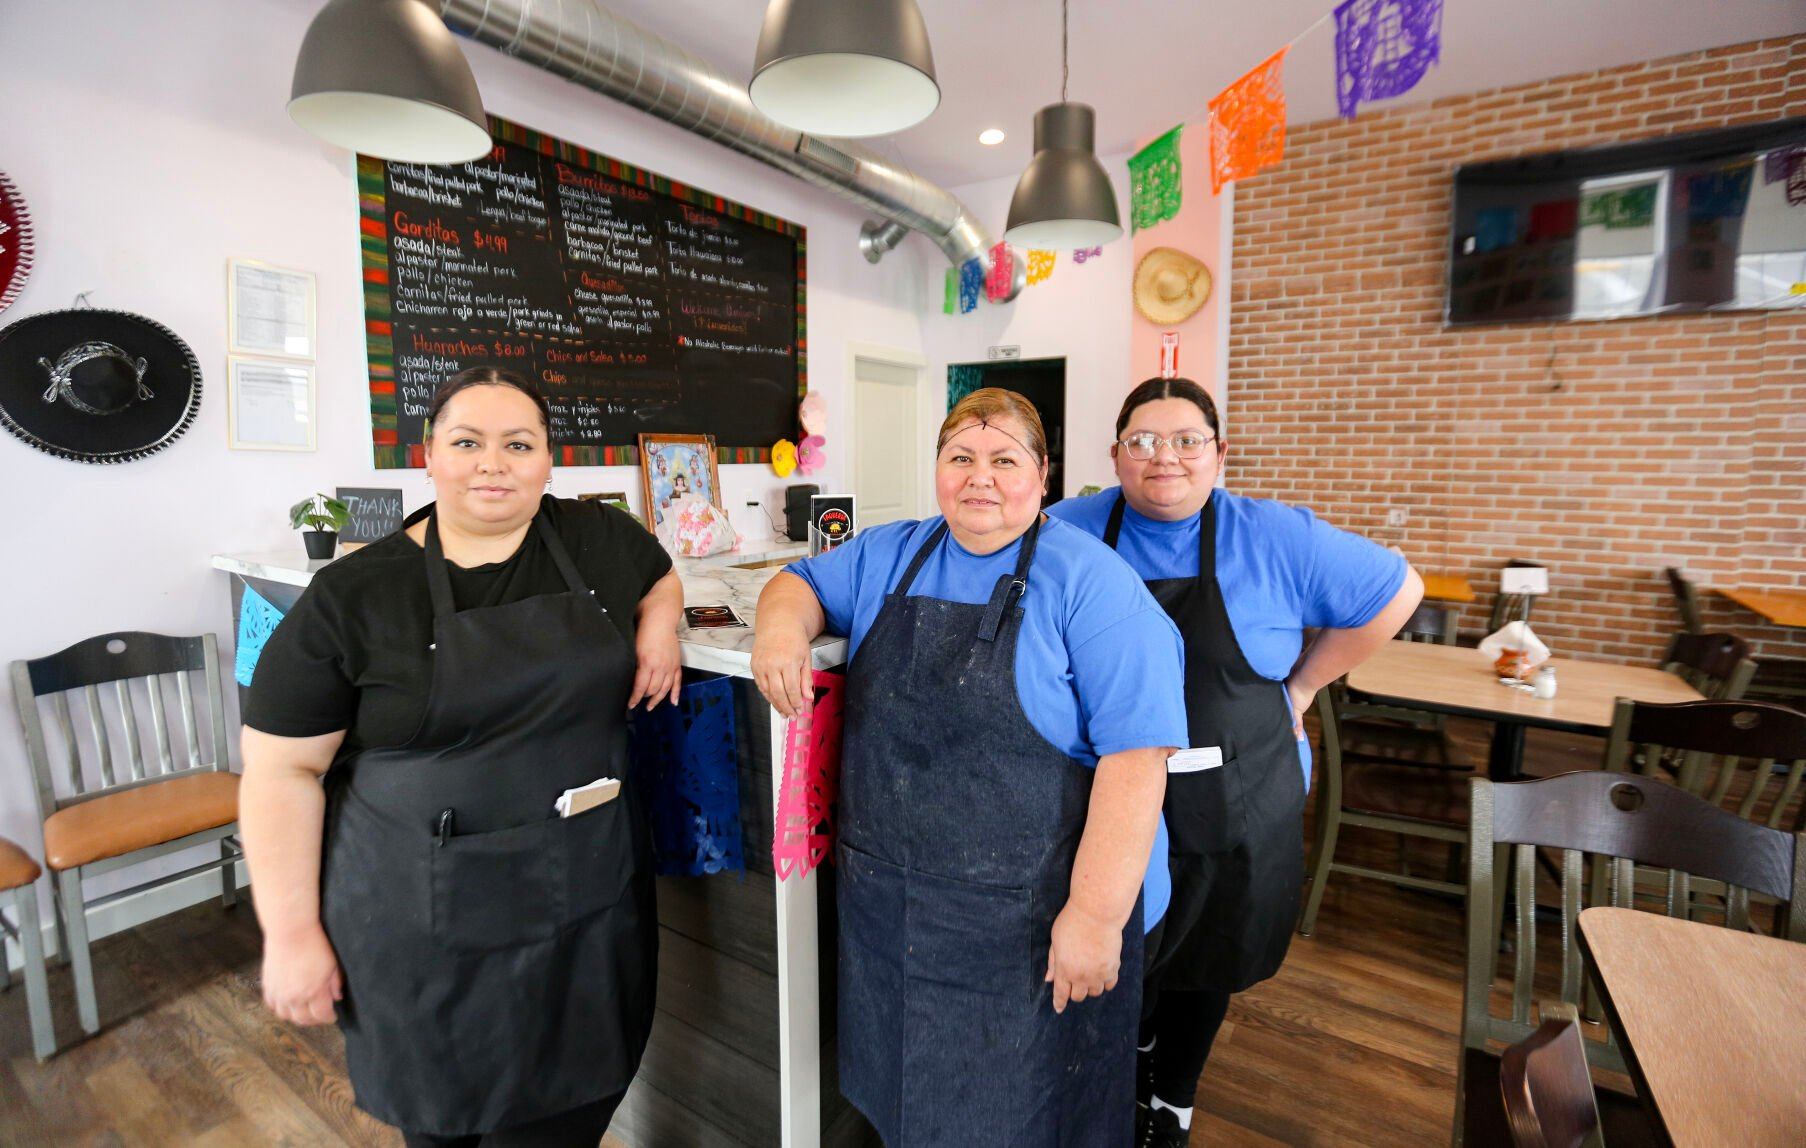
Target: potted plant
[{"x": 319, "y": 519}]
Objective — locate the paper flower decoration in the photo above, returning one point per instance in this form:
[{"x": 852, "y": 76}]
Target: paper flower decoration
[
  {"x": 783, "y": 457},
  {"x": 813, "y": 413},
  {"x": 809, "y": 454},
  {"x": 1248, "y": 123},
  {"x": 1383, "y": 47},
  {"x": 702, "y": 529}
]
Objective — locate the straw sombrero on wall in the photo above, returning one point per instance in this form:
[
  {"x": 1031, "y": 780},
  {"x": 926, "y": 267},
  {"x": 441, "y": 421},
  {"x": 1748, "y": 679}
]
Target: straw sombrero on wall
[{"x": 1170, "y": 286}]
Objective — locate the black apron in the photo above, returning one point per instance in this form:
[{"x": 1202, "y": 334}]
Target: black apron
[
  {"x": 499, "y": 961},
  {"x": 1235, "y": 832},
  {"x": 958, "y": 827}
]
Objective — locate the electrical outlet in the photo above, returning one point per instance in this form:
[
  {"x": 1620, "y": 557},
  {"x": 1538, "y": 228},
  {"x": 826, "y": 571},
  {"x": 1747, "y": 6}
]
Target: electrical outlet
[{"x": 1397, "y": 516}]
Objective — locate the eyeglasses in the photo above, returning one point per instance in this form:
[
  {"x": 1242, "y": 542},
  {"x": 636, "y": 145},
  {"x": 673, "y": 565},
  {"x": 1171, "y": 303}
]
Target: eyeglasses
[{"x": 1187, "y": 444}]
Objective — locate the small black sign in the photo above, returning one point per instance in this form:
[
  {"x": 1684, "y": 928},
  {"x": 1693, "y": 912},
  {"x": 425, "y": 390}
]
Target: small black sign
[
  {"x": 375, "y": 513},
  {"x": 831, "y": 521}
]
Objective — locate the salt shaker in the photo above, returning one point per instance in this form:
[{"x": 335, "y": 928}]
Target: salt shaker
[{"x": 1545, "y": 682}]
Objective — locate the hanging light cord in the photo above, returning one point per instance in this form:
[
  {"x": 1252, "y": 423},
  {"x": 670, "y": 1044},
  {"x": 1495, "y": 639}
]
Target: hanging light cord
[{"x": 1062, "y": 51}]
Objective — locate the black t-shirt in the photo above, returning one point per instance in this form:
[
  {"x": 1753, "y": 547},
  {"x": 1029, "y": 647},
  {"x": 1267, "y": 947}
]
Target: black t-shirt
[{"x": 353, "y": 653}]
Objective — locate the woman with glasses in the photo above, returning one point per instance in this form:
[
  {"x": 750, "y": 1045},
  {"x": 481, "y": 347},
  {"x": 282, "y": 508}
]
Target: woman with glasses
[
  {"x": 1013, "y": 694},
  {"x": 1242, "y": 578}
]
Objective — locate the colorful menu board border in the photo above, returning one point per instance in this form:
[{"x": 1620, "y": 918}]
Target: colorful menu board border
[{"x": 386, "y": 445}]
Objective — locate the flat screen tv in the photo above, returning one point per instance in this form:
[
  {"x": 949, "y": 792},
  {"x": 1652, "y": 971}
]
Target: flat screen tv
[{"x": 1713, "y": 221}]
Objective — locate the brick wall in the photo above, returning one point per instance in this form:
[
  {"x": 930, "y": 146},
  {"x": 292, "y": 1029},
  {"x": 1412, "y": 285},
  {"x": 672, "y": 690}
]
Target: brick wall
[{"x": 1605, "y": 450}]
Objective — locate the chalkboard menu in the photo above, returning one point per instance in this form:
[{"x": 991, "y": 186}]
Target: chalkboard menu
[{"x": 636, "y": 303}]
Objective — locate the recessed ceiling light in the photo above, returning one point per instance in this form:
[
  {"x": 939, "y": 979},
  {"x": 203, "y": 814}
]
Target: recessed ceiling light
[{"x": 991, "y": 137}]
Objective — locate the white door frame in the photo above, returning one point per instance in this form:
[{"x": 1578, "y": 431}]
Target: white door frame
[{"x": 927, "y": 415}]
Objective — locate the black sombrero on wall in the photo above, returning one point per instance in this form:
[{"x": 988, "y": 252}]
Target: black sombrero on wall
[{"x": 96, "y": 386}]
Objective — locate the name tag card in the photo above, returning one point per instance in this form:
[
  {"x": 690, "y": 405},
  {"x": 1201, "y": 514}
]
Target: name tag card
[
  {"x": 598, "y": 792},
  {"x": 1193, "y": 760}
]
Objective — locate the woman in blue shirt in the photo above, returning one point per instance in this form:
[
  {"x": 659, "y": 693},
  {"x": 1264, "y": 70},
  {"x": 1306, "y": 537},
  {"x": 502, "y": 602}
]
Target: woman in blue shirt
[
  {"x": 1243, "y": 578},
  {"x": 1013, "y": 693}
]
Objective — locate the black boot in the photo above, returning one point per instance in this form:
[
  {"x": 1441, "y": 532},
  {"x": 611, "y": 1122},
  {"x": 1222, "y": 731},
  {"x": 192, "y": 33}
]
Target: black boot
[{"x": 1160, "y": 1129}]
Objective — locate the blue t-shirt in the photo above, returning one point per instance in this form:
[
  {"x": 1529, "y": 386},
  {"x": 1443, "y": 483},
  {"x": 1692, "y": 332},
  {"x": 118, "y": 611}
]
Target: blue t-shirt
[
  {"x": 1099, "y": 665},
  {"x": 1280, "y": 568}
]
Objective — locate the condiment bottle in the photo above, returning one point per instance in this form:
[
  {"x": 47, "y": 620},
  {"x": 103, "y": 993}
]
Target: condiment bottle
[{"x": 1545, "y": 682}]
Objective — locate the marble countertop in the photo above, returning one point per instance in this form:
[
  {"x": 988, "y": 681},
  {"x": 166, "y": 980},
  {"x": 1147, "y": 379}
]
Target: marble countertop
[{"x": 712, "y": 581}]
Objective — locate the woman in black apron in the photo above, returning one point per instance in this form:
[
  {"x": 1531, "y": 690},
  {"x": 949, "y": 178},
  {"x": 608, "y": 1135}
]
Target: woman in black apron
[
  {"x": 492, "y": 963},
  {"x": 988, "y": 873},
  {"x": 1235, "y": 797}
]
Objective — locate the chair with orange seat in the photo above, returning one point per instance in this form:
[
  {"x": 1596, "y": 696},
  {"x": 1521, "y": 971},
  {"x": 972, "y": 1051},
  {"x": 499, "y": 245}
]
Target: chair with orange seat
[
  {"x": 104, "y": 809},
  {"x": 19, "y": 884}
]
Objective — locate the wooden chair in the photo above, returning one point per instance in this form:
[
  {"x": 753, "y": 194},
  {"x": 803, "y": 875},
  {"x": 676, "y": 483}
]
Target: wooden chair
[
  {"x": 114, "y": 814},
  {"x": 1717, "y": 665},
  {"x": 1622, "y": 821},
  {"x": 1372, "y": 792},
  {"x": 1775, "y": 679},
  {"x": 1748, "y": 757},
  {"x": 1686, "y": 600},
  {"x": 1781, "y": 680},
  {"x": 1745, "y": 757},
  {"x": 1400, "y": 731},
  {"x": 1429, "y": 623},
  {"x": 19, "y": 888},
  {"x": 1547, "y": 1090}
]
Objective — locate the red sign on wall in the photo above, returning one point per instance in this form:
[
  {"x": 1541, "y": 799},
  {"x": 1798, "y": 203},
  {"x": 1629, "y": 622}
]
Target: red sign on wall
[{"x": 15, "y": 243}]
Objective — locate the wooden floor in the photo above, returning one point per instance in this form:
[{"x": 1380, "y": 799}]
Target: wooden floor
[{"x": 1353, "y": 1043}]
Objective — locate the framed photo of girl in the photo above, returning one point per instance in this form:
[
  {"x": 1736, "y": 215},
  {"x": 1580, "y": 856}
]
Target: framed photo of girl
[{"x": 674, "y": 466}]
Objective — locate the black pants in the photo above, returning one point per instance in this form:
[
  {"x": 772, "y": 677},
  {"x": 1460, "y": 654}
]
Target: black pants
[
  {"x": 578, "y": 1128},
  {"x": 1182, "y": 1024}
]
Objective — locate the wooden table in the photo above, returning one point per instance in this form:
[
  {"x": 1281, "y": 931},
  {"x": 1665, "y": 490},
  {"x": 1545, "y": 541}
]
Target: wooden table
[
  {"x": 1460, "y": 680},
  {"x": 1711, "y": 1024},
  {"x": 1446, "y": 587},
  {"x": 1782, "y": 607}
]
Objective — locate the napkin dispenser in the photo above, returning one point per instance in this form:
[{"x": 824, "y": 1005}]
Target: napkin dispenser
[{"x": 1524, "y": 579}]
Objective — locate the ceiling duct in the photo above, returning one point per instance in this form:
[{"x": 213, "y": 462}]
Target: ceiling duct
[{"x": 586, "y": 43}]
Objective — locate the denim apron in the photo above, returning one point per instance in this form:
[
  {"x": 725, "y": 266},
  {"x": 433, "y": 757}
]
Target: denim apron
[
  {"x": 1235, "y": 831},
  {"x": 958, "y": 827},
  {"x": 499, "y": 961}
]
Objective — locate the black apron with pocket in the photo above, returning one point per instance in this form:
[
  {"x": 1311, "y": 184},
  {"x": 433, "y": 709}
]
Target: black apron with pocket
[
  {"x": 499, "y": 961},
  {"x": 958, "y": 826},
  {"x": 1235, "y": 831}
]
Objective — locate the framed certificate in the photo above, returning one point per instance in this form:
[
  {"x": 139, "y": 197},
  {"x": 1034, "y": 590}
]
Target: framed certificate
[
  {"x": 269, "y": 404},
  {"x": 269, "y": 310}
]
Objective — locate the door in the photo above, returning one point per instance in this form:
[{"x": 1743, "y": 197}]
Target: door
[
  {"x": 1043, "y": 383},
  {"x": 885, "y": 456}
]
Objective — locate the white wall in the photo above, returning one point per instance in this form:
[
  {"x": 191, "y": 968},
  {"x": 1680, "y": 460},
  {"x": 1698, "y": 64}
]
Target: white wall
[
  {"x": 150, "y": 143},
  {"x": 1081, "y": 313}
]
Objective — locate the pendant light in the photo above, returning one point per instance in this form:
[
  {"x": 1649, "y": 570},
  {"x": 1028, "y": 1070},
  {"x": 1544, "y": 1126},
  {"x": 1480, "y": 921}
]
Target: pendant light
[
  {"x": 1064, "y": 198},
  {"x": 386, "y": 78},
  {"x": 844, "y": 68}
]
